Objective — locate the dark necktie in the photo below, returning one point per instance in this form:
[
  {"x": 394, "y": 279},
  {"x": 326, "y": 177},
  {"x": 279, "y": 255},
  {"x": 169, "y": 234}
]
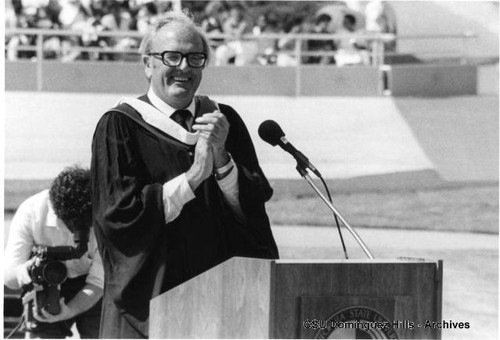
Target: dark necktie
[{"x": 182, "y": 118}]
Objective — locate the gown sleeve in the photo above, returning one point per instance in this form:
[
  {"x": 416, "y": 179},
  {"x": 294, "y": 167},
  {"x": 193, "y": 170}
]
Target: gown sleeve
[
  {"x": 253, "y": 237},
  {"x": 127, "y": 206}
]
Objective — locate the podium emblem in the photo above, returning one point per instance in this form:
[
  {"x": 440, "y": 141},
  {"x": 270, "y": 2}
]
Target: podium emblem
[{"x": 357, "y": 322}]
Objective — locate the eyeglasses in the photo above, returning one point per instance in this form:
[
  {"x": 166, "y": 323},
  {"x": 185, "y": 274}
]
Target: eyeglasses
[{"x": 174, "y": 58}]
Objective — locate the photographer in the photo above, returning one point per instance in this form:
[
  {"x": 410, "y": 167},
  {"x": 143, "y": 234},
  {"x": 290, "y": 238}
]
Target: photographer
[{"x": 52, "y": 218}]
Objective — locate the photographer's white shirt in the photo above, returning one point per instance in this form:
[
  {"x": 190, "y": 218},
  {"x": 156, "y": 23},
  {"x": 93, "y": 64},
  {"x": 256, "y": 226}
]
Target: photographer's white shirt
[{"x": 35, "y": 224}]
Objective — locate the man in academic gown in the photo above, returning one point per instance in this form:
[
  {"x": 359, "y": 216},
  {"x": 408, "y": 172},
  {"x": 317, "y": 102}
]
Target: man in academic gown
[{"x": 172, "y": 200}]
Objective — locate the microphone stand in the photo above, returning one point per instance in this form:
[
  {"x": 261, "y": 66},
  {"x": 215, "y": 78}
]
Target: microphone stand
[{"x": 303, "y": 172}]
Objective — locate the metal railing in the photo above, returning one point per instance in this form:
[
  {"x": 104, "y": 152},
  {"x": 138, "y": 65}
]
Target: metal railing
[{"x": 375, "y": 42}]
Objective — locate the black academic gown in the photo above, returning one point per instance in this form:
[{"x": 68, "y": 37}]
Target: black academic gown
[{"x": 142, "y": 255}]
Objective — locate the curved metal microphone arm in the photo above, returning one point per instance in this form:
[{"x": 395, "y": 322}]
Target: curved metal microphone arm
[{"x": 303, "y": 172}]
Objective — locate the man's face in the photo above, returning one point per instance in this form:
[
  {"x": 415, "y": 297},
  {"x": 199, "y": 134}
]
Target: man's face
[{"x": 175, "y": 85}]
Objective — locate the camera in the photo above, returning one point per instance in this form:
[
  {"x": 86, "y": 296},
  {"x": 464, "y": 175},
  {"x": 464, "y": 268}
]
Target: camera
[{"x": 47, "y": 273}]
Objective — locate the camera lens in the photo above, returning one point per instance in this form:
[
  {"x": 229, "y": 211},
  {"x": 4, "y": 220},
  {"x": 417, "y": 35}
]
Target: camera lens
[{"x": 55, "y": 272}]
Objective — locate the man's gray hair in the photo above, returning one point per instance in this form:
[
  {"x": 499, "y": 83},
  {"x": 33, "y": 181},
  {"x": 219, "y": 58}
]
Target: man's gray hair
[{"x": 173, "y": 18}]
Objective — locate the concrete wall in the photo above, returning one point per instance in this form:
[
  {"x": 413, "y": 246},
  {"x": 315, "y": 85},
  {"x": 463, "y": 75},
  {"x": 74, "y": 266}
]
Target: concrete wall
[
  {"x": 119, "y": 77},
  {"x": 20, "y": 76},
  {"x": 308, "y": 80},
  {"x": 432, "y": 80},
  {"x": 265, "y": 81}
]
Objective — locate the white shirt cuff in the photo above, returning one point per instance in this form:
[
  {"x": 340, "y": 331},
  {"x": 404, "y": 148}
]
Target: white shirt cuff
[
  {"x": 230, "y": 189},
  {"x": 176, "y": 193},
  {"x": 95, "y": 277},
  {"x": 229, "y": 184},
  {"x": 225, "y": 168},
  {"x": 96, "y": 271}
]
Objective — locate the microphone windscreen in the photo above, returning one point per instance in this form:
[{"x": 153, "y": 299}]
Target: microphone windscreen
[{"x": 270, "y": 132}]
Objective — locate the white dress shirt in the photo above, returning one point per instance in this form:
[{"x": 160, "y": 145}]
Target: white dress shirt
[
  {"x": 177, "y": 191},
  {"x": 35, "y": 224}
]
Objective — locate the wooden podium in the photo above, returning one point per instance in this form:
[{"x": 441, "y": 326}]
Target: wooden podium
[{"x": 353, "y": 299}]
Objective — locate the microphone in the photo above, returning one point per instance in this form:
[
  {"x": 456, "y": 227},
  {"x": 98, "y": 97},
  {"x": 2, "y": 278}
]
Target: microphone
[{"x": 271, "y": 132}]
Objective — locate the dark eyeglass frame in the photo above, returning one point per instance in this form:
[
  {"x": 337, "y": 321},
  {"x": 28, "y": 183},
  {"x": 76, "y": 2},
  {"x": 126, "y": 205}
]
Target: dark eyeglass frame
[{"x": 161, "y": 56}]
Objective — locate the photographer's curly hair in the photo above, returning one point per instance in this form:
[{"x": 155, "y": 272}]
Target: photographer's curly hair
[{"x": 70, "y": 197}]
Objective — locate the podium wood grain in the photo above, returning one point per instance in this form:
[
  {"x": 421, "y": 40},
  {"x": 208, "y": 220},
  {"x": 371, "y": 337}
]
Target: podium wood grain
[
  {"x": 251, "y": 298},
  {"x": 224, "y": 302}
]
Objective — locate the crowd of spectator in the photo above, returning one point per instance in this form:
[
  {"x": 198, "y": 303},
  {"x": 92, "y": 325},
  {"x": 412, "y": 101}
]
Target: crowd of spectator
[{"x": 234, "y": 28}]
